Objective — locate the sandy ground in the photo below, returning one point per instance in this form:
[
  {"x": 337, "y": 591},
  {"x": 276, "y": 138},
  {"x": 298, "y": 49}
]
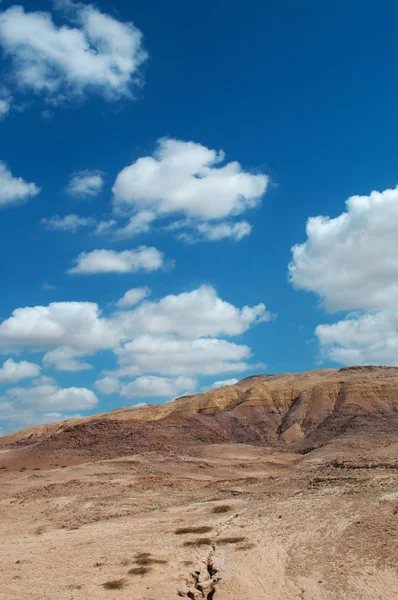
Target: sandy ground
[{"x": 322, "y": 526}]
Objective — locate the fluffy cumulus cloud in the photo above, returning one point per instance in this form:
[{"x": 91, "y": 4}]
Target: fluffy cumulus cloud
[
  {"x": 90, "y": 52},
  {"x": 133, "y": 296},
  {"x": 77, "y": 325},
  {"x": 43, "y": 401},
  {"x": 109, "y": 261},
  {"x": 158, "y": 348},
  {"x": 69, "y": 222},
  {"x": 107, "y": 385},
  {"x": 49, "y": 396},
  {"x": 350, "y": 263},
  {"x": 85, "y": 184},
  {"x": 14, "y": 190},
  {"x": 173, "y": 355},
  {"x": 360, "y": 339},
  {"x": 12, "y": 371},
  {"x": 64, "y": 358},
  {"x": 158, "y": 387},
  {"x": 192, "y": 314},
  {"x": 188, "y": 179}
]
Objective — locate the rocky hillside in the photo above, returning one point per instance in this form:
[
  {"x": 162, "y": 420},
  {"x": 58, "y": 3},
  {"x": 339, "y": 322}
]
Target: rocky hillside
[{"x": 298, "y": 410}]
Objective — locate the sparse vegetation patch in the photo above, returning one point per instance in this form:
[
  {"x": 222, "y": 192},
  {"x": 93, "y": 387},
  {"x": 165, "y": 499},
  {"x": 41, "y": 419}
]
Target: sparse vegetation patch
[
  {"x": 139, "y": 571},
  {"x": 231, "y": 540},
  {"x": 184, "y": 530},
  {"x": 115, "y": 584},
  {"x": 223, "y": 508}
]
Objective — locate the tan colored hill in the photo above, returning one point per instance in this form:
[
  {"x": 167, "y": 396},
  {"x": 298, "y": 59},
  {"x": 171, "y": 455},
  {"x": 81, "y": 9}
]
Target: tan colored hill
[
  {"x": 305, "y": 410},
  {"x": 277, "y": 487}
]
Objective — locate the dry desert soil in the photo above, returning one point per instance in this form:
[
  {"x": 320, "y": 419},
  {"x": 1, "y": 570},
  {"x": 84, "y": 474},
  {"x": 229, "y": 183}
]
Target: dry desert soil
[{"x": 277, "y": 488}]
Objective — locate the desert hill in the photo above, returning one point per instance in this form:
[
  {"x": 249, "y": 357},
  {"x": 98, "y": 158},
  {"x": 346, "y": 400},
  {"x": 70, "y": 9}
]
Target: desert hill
[
  {"x": 299, "y": 411},
  {"x": 280, "y": 486}
]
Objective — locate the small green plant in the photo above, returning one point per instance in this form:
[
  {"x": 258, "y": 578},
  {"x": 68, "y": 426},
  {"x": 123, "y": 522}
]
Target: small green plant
[
  {"x": 223, "y": 508},
  {"x": 199, "y": 542},
  {"x": 184, "y": 530},
  {"x": 115, "y": 584},
  {"x": 64, "y": 466},
  {"x": 139, "y": 571}
]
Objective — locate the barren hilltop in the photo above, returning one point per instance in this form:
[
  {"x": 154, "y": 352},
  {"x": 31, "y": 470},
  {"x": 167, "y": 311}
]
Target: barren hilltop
[
  {"x": 280, "y": 486},
  {"x": 295, "y": 410}
]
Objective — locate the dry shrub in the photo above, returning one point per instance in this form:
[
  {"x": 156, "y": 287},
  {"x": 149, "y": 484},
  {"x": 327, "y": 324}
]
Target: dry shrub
[
  {"x": 223, "y": 508},
  {"x": 39, "y": 530},
  {"x": 115, "y": 584},
  {"x": 231, "y": 540},
  {"x": 184, "y": 530},
  {"x": 139, "y": 571},
  {"x": 199, "y": 542},
  {"x": 149, "y": 560}
]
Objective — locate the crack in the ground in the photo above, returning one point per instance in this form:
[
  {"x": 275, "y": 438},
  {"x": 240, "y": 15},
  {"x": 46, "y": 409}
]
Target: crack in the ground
[{"x": 203, "y": 580}]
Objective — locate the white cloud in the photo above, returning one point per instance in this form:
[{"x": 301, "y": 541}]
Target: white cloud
[
  {"x": 56, "y": 416},
  {"x": 171, "y": 355},
  {"x": 97, "y": 54},
  {"x": 219, "y": 231},
  {"x": 5, "y": 106},
  {"x": 194, "y": 231},
  {"x": 138, "y": 223},
  {"x": 79, "y": 326},
  {"x": 14, "y": 190},
  {"x": 109, "y": 261},
  {"x": 218, "y": 384},
  {"x": 370, "y": 338},
  {"x": 69, "y": 222},
  {"x": 107, "y": 385},
  {"x": 191, "y": 314},
  {"x": 350, "y": 263},
  {"x": 104, "y": 227},
  {"x": 64, "y": 358},
  {"x": 133, "y": 296},
  {"x": 17, "y": 417},
  {"x": 158, "y": 387},
  {"x": 15, "y": 371},
  {"x": 50, "y": 397},
  {"x": 164, "y": 348},
  {"x": 48, "y": 287},
  {"x": 185, "y": 177},
  {"x": 74, "y": 324},
  {"x": 85, "y": 184}
]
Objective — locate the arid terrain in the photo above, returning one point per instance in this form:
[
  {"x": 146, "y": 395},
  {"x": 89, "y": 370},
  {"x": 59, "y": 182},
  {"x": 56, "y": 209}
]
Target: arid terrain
[{"x": 279, "y": 487}]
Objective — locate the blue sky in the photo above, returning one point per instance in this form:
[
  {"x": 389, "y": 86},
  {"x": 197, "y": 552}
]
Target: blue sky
[{"x": 179, "y": 151}]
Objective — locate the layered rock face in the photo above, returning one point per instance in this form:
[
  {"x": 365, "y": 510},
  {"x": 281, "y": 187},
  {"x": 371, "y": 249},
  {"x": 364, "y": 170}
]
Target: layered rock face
[{"x": 298, "y": 410}]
